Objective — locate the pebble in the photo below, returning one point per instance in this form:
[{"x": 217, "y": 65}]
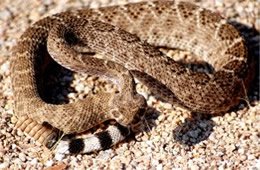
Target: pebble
[
  {"x": 79, "y": 88},
  {"x": 138, "y": 154},
  {"x": 251, "y": 157},
  {"x": 4, "y": 165},
  {"x": 241, "y": 151},
  {"x": 159, "y": 167},
  {"x": 22, "y": 157},
  {"x": 243, "y": 157},
  {"x": 194, "y": 133}
]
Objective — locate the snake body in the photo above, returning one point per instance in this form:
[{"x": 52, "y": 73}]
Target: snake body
[{"x": 126, "y": 36}]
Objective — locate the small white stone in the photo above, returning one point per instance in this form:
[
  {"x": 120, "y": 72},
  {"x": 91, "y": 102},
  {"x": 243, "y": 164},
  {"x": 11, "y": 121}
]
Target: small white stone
[
  {"x": 251, "y": 157},
  {"x": 241, "y": 150},
  {"x": 13, "y": 146},
  {"x": 4, "y": 165},
  {"x": 22, "y": 157},
  {"x": 63, "y": 147},
  {"x": 72, "y": 95},
  {"x": 34, "y": 161},
  {"x": 59, "y": 156},
  {"x": 79, "y": 87},
  {"x": 49, "y": 163},
  {"x": 159, "y": 167}
]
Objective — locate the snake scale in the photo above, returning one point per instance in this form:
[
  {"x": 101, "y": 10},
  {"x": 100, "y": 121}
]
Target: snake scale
[{"x": 126, "y": 36}]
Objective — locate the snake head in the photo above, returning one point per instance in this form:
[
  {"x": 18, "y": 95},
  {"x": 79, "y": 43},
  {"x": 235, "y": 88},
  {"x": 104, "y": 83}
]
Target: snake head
[{"x": 128, "y": 107}]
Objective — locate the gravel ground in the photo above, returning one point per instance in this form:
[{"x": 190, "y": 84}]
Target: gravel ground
[{"x": 169, "y": 137}]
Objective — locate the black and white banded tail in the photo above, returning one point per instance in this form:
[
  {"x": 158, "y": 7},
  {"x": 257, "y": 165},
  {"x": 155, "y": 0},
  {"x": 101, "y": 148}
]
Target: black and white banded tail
[{"x": 99, "y": 141}]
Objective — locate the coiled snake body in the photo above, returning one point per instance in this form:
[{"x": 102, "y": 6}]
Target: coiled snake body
[{"x": 170, "y": 24}]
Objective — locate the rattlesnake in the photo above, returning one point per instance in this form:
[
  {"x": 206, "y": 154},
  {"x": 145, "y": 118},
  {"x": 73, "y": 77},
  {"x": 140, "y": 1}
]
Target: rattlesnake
[{"x": 69, "y": 35}]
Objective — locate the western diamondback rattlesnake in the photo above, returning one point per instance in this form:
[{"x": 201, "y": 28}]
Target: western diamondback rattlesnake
[{"x": 171, "y": 24}]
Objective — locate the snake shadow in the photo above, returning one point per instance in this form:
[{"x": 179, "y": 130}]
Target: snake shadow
[{"x": 55, "y": 84}]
